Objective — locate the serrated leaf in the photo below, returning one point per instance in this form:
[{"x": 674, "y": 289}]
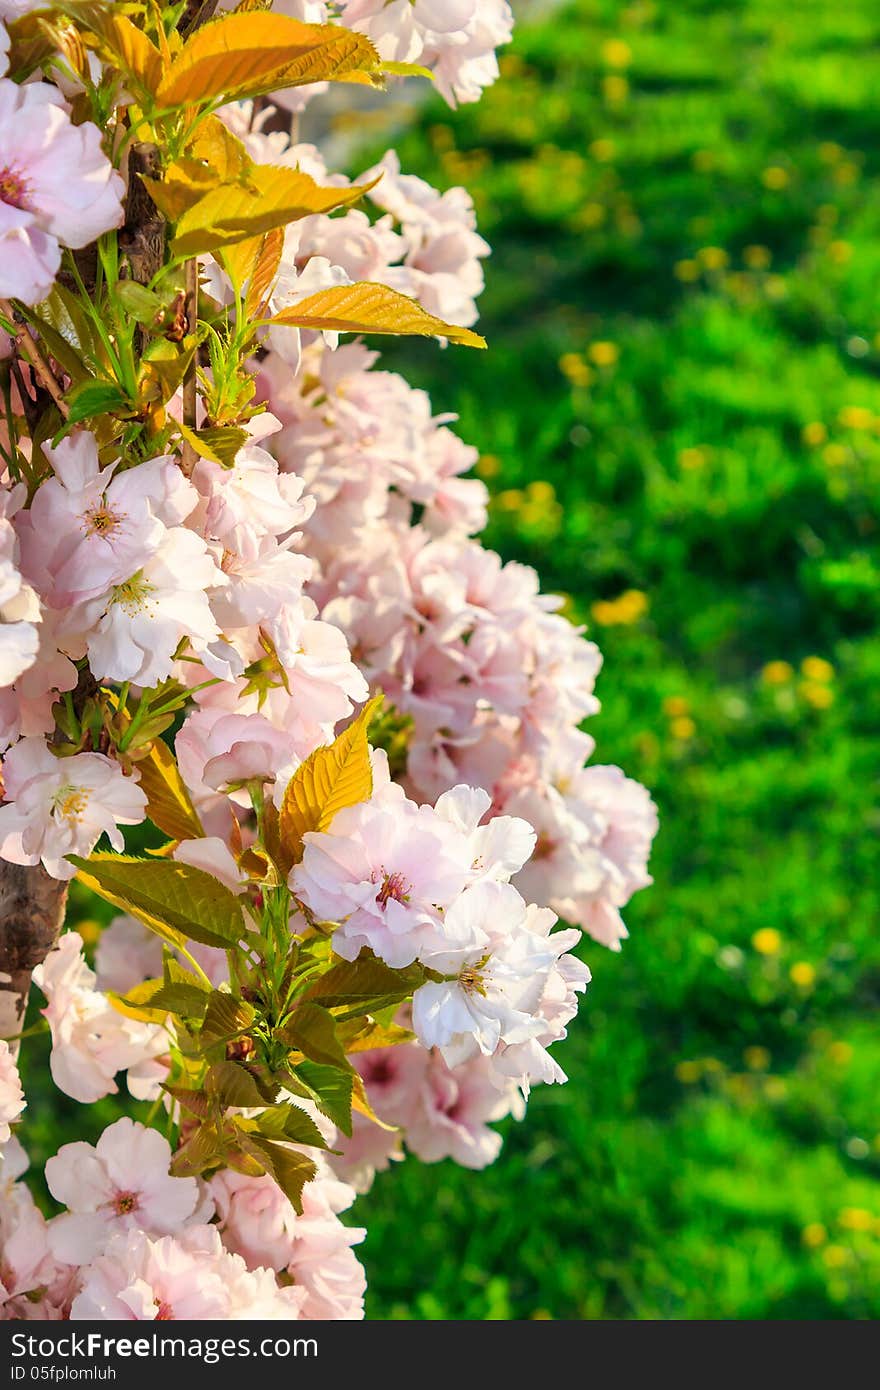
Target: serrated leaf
[
  {"x": 226, "y": 1017},
  {"x": 360, "y": 1102},
  {"x": 92, "y": 398},
  {"x": 406, "y": 70},
  {"x": 137, "y": 1003},
  {"x": 291, "y": 1123},
  {"x": 142, "y": 304},
  {"x": 168, "y": 802},
  {"x": 241, "y": 56},
  {"x": 360, "y": 1037},
  {"x": 367, "y": 981},
  {"x": 330, "y": 779},
  {"x": 234, "y": 1086},
  {"x": 312, "y": 1030},
  {"x": 186, "y": 1000},
  {"x": 332, "y": 1091},
  {"x": 289, "y": 1168},
  {"x": 277, "y": 197},
  {"x": 265, "y": 270},
  {"x": 218, "y": 443},
  {"x": 367, "y": 307},
  {"x": 174, "y": 900},
  {"x": 196, "y": 1102},
  {"x": 163, "y": 367},
  {"x": 202, "y": 1150},
  {"x": 125, "y": 46}
]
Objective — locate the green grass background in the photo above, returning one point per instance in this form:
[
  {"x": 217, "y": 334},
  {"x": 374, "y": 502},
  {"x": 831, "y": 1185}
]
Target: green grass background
[
  {"x": 695, "y": 184},
  {"x": 681, "y": 404}
]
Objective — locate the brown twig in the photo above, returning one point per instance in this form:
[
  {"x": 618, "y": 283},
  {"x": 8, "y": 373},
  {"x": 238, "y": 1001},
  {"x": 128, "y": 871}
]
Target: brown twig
[
  {"x": 31, "y": 913},
  {"x": 197, "y": 12},
  {"x": 26, "y": 346},
  {"x": 189, "y": 391}
]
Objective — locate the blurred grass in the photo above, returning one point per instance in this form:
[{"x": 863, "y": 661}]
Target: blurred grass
[{"x": 679, "y": 419}]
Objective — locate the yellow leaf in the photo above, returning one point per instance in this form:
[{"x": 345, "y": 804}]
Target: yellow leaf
[
  {"x": 135, "y": 1004},
  {"x": 330, "y": 779},
  {"x": 363, "y": 1035},
  {"x": 215, "y": 143},
  {"x": 126, "y": 46},
  {"x": 242, "y": 55},
  {"x": 214, "y": 157},
  {"x": 360, "y": 1102},
  {"x": 234, "y": 213},
  {"x": 370, "y": 308},
  {"x": 239, "y": 259},
  {"x": 168, "y": 801},
  {"x": 264, "y": 272}
]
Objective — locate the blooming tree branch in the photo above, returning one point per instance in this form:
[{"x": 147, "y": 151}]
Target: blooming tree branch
[{"x": 248, "y": 638}]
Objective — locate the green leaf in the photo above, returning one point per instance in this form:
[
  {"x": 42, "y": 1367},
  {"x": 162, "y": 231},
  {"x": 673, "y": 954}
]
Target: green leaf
[
  {"x": 312, "y": 1030},
  {"x": 366, "y": 981},
  {"x": 145, "y": 306},
  {"x": 226, "y": 1017},
  {"x": 290, "y": 1168},
  {"x": 291, "y": 1123},
  {"x": 92, "y": 398},
  {"x": 218, "y": 443},
  {"x": 174, "y": 900},
  {"x": 332, "y": 1090},
  {"x": 196, "y": 1102},
  {"x": 202, "y": 1150},
  {"x": 234, "y": 1086},
  {"x": 186, "y": 1000}
]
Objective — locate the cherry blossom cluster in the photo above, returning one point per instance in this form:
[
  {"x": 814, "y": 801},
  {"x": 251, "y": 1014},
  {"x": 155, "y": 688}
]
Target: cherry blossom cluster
[
  {"x": 455, "y": 39},
  {"x": 228, "y": 619},
  {"x": 134, "y": 1243}
]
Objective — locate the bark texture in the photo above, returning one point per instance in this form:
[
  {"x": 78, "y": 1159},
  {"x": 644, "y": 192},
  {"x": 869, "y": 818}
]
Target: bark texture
[{"x": 31, "y": 914}]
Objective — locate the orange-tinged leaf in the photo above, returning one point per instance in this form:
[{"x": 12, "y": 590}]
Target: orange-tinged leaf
[
  {"x": 330, "y": 779},
  {"x": 168, "y": 801},
  {"x": 361, "y": 1102},
  {"x": 215, "y": 143},
  {"x": 371, "y": 308},
  {"x": 234, "y": 213},
  {"x": 264, "y": 272},
  {"x": 127, "y": 47},
  {"x": 249, "y": 54}
]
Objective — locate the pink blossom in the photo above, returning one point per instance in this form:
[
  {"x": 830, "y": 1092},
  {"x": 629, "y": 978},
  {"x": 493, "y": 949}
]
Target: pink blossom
[
  {"x": 384, "y": 873},
  {"x": 121, "y": 1184},
  {"x": 133, "y": 633},
  {"x": 89, "y": 528},
  {"x": 19, "y": 609},
  {"x": 494, "y": 982},
  {"x": 12, "y": 1101},
  {"x": 143, "y": 1278},
  {"x": 60, "y": 806},
  {"x": 58, "y": 188},
  {"x": 91, "y": 1041},
  {"x": 244, "y": 747},
  {"x": 259, "y": 1223}
]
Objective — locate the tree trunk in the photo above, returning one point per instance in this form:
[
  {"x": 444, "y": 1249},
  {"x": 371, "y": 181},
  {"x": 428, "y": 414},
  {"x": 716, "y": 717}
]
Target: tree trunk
[{"x": 31, "y": 915}]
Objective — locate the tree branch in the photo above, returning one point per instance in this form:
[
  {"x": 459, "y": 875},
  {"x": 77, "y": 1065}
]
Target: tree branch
[
  {"x": 31, "y": 915},
  {"x": 27, "y": 348}
]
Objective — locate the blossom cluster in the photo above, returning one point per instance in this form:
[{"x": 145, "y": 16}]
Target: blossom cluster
[{"x": 227, "y": 620}]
